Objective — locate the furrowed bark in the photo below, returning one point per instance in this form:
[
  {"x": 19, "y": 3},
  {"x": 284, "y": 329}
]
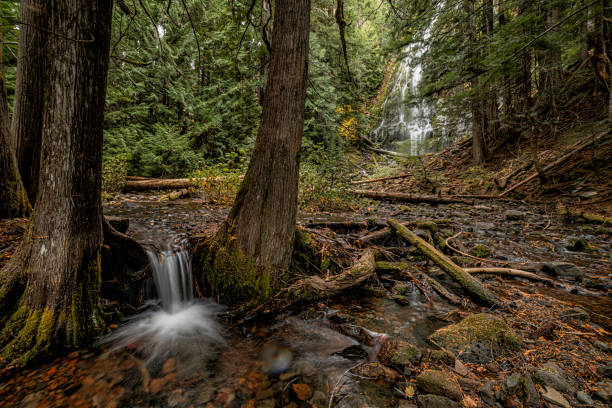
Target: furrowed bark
[{"x": 470, "y": 284}]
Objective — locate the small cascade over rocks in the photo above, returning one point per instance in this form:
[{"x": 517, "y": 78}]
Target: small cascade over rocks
[{"x": 175, "y": 324}]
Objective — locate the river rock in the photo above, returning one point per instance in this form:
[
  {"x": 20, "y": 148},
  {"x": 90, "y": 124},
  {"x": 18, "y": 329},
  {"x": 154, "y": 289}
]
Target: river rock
[
  {"x": 398, "y": 353},
  {"x": 443, "y": 356},
  {"x": 604, "y": 390},
  {"x": 435, "y": 401},
  {"x": 563, "y": 270},
  {"x": 550, "y": 374},
  {"x": 377, "y": 371},
  {"x": 555, "y": 397},
  {"x": 514, "y": 215},
  {"x": 478, "y": 338},
  {"x": 605, "y": 371},
  {"x": 439, "y": 383},
  {"x": 584, "y": 398}
]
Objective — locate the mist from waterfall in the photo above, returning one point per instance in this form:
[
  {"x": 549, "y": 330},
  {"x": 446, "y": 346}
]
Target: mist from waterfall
[{"x": 175, "y": 324}]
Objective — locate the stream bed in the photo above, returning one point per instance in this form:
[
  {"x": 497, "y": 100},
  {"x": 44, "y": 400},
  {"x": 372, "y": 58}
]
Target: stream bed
[{"x": 302, "y": 358}]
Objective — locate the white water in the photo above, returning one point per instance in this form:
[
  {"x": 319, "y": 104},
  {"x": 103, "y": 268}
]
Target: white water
[
  {"x": 176, "y": 323},
  {"x": 405, "y": 118}
]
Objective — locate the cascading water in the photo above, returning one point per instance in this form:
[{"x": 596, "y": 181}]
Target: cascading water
[
  {"x": 176, "y": 323},
  {"x": 405, "y": 121}
]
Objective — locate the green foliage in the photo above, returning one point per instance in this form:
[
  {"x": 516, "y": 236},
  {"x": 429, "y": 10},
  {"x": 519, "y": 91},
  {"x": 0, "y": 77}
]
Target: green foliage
[
  {"x": 220, "y": 181},
  {"x": 324, "y": 180},
  {"x": 114, "y": 173}
]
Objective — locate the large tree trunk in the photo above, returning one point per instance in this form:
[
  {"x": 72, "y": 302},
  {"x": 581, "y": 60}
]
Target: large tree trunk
[
  {"x": 52, "y": 284},
  {"x": 27, "y": 122},
  {"x": 13, "y": 198},
  {"x": 254, "y": 245}
]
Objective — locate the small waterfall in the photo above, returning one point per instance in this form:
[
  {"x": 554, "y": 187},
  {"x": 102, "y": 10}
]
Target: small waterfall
[
  {"x": 175, "y": 324},
  {"x": 405, "y": 119}
]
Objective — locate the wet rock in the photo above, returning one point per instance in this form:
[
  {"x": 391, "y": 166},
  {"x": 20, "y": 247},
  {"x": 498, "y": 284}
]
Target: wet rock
[
  {"x": 302, "y": 391},
  {"x": 121, "y": 224},
  {"x": 435, "y": 401},
  {"x": 603, "y": 390},
  {"x": 480, "y": 251},
  {"x": 354, "y": 352},
  {"x": 438, "y": 383},
  {"x": 487, "y": 394},
  {"x": 443, "y": 356},
  {"x": 563, "y": 270},
  {"x": 555, "y": 397},
  {"x": 605, "y": 371},
  {"x": 461, "y": 369},
  {"x": 319, "y": 399},
  {"x": 398, "y": 353},
  {"x": 479, "y": 338},
  {"x": 584, "y": 398},
  {"x": 512, "y": 384},
  {"x": 581, "y": 245},
  {"x": 551, "y": 375},
  {"x": 377, "y": 371},
  {"x": 531, "y": 395},
  {"x": 359, "y": 333},
  {"x": 514, "y": 215},
  {"x": 406, "y": 404}
]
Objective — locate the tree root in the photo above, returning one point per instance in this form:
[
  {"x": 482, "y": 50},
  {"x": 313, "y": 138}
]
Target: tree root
[{"x": 510, "y": 272}]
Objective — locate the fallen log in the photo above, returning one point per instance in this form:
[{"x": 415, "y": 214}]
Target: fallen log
[
  {"x": 549, "y": 166},
  {"x": 315, "y": 288},
  {"x": 503, "y": 182},
  {"x": 510, "y": 272},
  {"x": 175, "y": 195},
  {"x": 409, "y": 198},
  {"x": 470, "y": 284},
  {"x": 371, "y": 223},
  {"x": 400, "y": 176},
  {"x": 388, "y": 152},
  {"x": 159, "y": 184}
]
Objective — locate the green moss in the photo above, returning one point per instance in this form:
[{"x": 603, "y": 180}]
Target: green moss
[
  {"x": 443, "y": 356},
  {"x": 439, "y": 383},
  {"x": 382, "y": 266},
  {"x": 306, "y": 257},
  {"x": 398, "y": 353},
  {"x": 581, "y": 245},
  {"x": 480, "y": 251},
  {"x": 463, "y": 261}
]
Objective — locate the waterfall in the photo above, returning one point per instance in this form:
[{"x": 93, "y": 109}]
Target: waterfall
[
  {"x": 176, "y": 323},
  {"x": 405, "y": 119}
]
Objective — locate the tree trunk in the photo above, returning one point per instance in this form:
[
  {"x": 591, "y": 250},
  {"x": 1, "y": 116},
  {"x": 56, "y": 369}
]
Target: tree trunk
[
  {"x": 255, "y": 242},
  {"x": 13, "y": 198},
  {"x": 27, "y": 122},
  {"x": 52, "y": 284}
]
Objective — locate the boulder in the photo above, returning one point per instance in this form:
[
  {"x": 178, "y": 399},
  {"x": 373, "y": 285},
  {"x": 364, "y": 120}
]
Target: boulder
[
  {"x": 563, "y": 270},
  {"x": 487, "y": 394},
  {"x": 443, "y": 356},
  {"x": 478, "y": 338},
  {"x": 435, "y": 401},
  {"x": 555, "y": 397},
  {"x": 550, "y": 374},
  {"x": 439, "y": 383},
  {"x": 398, "y": 353}
]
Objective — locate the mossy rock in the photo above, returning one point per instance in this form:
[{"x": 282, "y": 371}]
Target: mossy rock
[
  {"x": 480, "y": 251},
  {"x": 479, "y": 338},
  {"x": 581, "y": 245},
  {"x": 398, "y": 353},
  {"x": 443, "y": 357},
  {"x": 439, "y": 383}
]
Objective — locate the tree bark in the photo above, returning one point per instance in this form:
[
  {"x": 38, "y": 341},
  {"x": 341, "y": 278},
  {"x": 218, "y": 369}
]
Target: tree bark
[
  {"x": 52, "y": 283},
  {"x": 27, "y": 125},
  {"x": 255, "y": 242},
  {"x": 13, "y": 197}
]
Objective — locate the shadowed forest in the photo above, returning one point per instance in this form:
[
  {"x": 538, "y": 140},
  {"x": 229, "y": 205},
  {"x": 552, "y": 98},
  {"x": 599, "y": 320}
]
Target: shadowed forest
[{"x": 306, "y": 203}]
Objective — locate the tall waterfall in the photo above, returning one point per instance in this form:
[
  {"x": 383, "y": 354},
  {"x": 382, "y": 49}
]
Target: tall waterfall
[{"x": 405, "y": 119}]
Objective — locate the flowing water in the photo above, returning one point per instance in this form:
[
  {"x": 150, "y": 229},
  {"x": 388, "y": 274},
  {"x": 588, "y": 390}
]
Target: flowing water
[
  {"x": 175, "y": 323},
  {"x": 406, "y": 122}
]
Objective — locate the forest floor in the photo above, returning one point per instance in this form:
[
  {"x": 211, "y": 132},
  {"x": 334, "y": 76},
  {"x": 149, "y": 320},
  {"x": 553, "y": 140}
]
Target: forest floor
[{"x": 393, "y": 342}]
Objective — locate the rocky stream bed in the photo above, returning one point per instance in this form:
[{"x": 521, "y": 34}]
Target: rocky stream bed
[{"x": 390, "y": 343}]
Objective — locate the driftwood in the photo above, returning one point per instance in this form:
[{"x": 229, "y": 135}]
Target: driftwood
[
  {"x": 400, "y": 176},
  {"x": 409, "y": 198},
  {"x": 158, "y": 184},
  {"x": 510, "y": 272},
  {"x": 470, "y": 284},
  {"x": 578, "y": 147}
]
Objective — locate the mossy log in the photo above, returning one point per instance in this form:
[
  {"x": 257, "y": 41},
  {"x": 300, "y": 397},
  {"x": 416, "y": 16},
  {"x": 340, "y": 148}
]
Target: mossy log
[
  {"x": 470, "y": 284},
  {"x": 315, "y": 287},
  {"x": 409, "y": 198},
  {"x": 430, "y": 225}
]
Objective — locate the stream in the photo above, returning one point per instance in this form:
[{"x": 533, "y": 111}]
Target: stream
[{"x": 178, "y": 353}]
